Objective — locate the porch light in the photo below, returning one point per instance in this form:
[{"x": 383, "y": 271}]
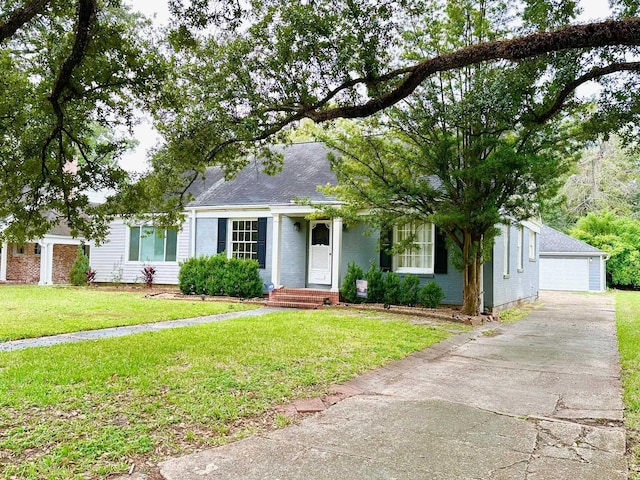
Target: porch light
[{"x": 296, "y": 226}]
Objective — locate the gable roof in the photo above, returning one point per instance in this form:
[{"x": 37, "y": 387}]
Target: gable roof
[
  {"x": 554, "y": 241},
  {"x": 305, "y": 167}
]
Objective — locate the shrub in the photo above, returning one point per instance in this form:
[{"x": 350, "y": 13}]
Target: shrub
[
  {"x": 375, "y": 284},
  {"x": 90, "y": 276},
  {"x": 348, "y": 290},
  {"x": 619, "y": 236},
  {"x": 242, "y": 278},
  {"x": 214, "y": 274},
  {"x": 430, "y": 295},
  {"x": 78, "y": 272},
  {"x": 410, "y": 288},
  {"x": 217, "y": 275},
  {"x": 193, "y": 275},
  {"x": 392, "y": 288},
  {"x": 148, "y": 275}
]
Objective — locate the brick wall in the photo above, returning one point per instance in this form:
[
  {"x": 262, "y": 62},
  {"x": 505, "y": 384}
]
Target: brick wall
[
  {"x": 63, "y": 258},
  {"x": 23, "y": 268}
]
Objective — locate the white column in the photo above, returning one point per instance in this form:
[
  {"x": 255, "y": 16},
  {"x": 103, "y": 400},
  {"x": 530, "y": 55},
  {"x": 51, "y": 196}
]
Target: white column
[
  {"x": 46, "y": 263},
  {"x": 192, "y": 246},
  {"x": 44, "y": 253},
  {"x": 336, "y": 247},
  {"x": 275, "y": 249},
  {"x": 482, "y": 287},
  {"x": 3, "y": 262}
]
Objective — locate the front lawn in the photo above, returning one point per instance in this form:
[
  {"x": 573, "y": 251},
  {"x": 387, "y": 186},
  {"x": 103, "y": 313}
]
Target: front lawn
[
  {"x": 628, "y": 324},
  {"x": 85, "y": 410},
  {"x": 34, "y": 311}
]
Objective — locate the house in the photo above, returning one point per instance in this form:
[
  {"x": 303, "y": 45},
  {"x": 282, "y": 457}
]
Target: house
[
  {"x": 570, "y": 264},
  {"x": 44, "y": 261},
  {"x": 257, "y": 216}
]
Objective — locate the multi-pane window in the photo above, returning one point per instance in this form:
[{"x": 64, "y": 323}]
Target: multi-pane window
[
  {"x": 244, "y": 239},
  {"x": 418, "y": 256},
  {"x": 151, "y": 244}
]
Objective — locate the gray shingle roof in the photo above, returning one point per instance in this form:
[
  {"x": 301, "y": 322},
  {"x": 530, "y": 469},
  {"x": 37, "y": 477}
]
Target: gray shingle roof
[
  {"x": 305, "y": 167},
  {"x": 553, "y": 241}
]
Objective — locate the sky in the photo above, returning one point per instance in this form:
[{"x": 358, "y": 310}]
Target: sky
[{"x": 136, "y": 160}]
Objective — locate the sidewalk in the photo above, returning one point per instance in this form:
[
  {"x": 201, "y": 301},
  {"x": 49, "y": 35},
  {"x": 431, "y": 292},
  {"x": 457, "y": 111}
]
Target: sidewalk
[
  {"x": 536, "y": 400},
  {"x": 128, "y": 330}
]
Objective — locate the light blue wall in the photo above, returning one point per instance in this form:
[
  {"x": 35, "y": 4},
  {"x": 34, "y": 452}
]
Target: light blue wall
[
  {"x": 595, "y": 272},
  {"x": 206, "y": 240},
  {"x": 293, "y": 252},
  {"x": 362, "y": 249},
  {"x": 359, "y": 247},
  {"x": 518, "y": 285},
  {"x": 206, "y": 236}
]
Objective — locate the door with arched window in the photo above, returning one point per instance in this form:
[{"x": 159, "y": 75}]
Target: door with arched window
[{"x": 320, "y": 252}]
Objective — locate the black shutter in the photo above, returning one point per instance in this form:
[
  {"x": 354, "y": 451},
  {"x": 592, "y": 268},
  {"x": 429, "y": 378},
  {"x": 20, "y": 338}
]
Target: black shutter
[
  {"x": 386, "y": 242},
  {"x": 222, "y": 235},
  {"x": 441, "y": 256},
  {"x": 262, "y": 241}
]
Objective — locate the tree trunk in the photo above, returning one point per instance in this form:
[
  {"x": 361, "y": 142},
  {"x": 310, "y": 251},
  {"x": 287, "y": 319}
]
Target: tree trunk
[{"x": 471, "y": 271}]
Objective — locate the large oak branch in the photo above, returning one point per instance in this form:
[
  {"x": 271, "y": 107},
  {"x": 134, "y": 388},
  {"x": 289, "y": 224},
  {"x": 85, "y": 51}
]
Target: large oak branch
[
  {"x": 13, "y": 21},
  {"x": 593, "y": 35}
]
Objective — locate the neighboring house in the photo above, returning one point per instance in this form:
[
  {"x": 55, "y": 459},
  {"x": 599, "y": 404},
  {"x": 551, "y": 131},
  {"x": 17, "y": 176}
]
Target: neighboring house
[
  {"x": 257, "y": 216},
  {"x": 44, "y": 261},
  {"x": 570, "y": 264}
]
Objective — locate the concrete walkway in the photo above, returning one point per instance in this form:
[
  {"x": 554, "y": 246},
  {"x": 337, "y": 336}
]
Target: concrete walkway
[
  {"x": 128, "y": 330},
  {"x": 540, "y": 400}
]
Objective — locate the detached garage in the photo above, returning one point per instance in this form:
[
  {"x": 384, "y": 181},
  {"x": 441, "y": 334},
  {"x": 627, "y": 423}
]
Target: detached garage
[{"x": 570, "y": 264}]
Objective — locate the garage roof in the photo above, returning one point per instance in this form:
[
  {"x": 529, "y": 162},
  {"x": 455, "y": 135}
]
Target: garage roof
[{"x": 554, "y": 241}]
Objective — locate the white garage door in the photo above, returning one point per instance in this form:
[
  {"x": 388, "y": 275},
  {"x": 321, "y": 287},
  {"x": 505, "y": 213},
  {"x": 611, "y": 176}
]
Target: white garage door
[{"x": 571, "y": 274}]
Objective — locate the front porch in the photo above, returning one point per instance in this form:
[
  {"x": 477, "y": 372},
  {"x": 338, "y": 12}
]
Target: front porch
[
  {"x": 46, "y": 261},
  {"x": 321, "y": 253}
]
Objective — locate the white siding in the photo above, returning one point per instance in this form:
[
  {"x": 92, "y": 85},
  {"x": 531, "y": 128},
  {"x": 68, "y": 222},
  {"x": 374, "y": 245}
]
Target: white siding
[{"x": 109, "y": 260}]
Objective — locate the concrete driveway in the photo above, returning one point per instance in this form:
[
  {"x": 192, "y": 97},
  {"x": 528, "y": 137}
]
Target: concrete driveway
[{"x": 540, "y": 399}]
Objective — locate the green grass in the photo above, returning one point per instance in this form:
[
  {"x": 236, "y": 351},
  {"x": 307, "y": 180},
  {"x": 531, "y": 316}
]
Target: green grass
[
  {"x": 514, "y": 314},
  {"x": 628, "y": 325},
  {"x": 32, "y": 311},
  {"x": 88, "y": 409}
]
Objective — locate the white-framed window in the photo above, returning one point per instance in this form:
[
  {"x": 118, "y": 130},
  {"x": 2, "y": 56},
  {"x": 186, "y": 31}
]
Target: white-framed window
[
  {"x": 520, "y": 248},
  {"x": 532, "y": 245},
  {"x": 18, "y": 250},
  {"x": 418, "y": 258},
  {"x": 151, "y": 244},
  {"x": 506, "y": 236},
  {"x": 243, "y": 239}
]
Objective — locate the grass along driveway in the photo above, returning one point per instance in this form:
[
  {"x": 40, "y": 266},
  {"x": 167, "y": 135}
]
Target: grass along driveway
[
  {"x": 628, "y": 325},
  {"x": 36, "y": 311},
  {"x": 86, "y": 410}
]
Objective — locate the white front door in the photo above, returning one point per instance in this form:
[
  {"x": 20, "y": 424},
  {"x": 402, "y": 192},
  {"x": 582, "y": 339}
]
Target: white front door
[{"x": 320, "y": 252}]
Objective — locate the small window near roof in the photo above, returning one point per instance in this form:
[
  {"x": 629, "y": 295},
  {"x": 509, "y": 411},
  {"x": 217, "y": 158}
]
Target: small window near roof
[
  {"x": 506, "y": 236},
  {"x": 520, "y": 248},
  {"x": 532, "y": 245},
  {"x": 37, "y": 249}
]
